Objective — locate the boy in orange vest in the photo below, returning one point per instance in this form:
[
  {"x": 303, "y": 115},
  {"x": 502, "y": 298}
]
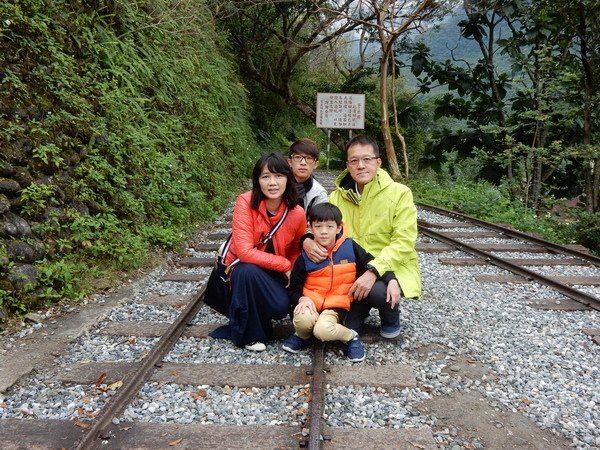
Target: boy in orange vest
[{"x": 320, "y": 291}]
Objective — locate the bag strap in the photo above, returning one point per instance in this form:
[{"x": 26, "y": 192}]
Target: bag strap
[
  {"x": 264, "y": 240},
  {"x": 276, "y": 227}
]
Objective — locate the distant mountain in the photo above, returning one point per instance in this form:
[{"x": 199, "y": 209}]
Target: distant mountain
[{"x": 446, "y": 42}]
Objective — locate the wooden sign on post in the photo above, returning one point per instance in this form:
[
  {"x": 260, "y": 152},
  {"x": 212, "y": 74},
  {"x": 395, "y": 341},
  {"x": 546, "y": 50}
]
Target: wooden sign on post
[
  {"x": 342, "y": 111},
  {"x": 337, "y": 110}
]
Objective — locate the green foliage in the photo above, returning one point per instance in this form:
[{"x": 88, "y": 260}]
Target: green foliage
[
  {"x": 49, "y": 154},
  {"x": 139, "y": 103},
  {"x": 583, "y": 227},
  {"x": 62, "y": 279},
  {"x": 487, "y": 202},
  {"x": 8, "y": 300},
  {"x": 460, "y": 170},
  {"x": 36, "y": 197},
  {"x": 162, "y": 236},
  {"x": 5, "y": 263}
]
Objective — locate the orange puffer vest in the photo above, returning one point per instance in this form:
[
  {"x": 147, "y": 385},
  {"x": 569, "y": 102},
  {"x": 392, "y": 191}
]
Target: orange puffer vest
[{"x": 327, "y": 283}]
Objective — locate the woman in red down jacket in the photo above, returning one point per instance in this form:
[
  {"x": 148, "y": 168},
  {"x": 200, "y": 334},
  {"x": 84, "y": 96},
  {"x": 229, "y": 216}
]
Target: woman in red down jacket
[{"x": 258, "y": 282}]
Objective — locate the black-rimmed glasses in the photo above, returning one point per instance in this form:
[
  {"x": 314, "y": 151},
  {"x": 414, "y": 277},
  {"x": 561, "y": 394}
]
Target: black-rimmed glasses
[
  {"x": 366, "y": 160},
  {"x": 298, "y": 158}
]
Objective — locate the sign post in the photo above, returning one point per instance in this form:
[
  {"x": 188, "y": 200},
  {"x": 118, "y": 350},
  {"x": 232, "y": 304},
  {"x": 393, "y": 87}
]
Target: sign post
[{"x": 340, "y": 111}]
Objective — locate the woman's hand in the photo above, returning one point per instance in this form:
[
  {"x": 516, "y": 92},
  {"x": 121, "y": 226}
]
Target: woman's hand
[
  {"x": 315, "y": 252},
  {"x": 394, "y": 293},
  {"x": 305, "y": 304}
]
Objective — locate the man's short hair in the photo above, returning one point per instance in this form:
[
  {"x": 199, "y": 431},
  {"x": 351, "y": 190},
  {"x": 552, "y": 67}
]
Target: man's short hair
[
  {"x": 305, "y": 146},
  {"x": 322, "y": 212},
  {"x": 362, "y": 139}
]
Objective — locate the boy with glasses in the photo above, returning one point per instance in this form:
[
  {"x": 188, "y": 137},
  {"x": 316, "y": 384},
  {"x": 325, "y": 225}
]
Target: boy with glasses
[
  {"x": 380, "y": 215},
  {"x": 304, "y": 159}
]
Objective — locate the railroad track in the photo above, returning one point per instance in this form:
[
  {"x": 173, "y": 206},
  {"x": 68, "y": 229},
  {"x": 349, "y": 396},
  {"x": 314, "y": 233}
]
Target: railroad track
[
  {"x": 124, "y": 385},
  {"x": 148, "y": 376},
  {"x": 459, "y": 230}
]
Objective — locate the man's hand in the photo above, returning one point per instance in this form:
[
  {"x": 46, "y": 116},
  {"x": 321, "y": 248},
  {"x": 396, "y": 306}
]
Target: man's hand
[
  {"x": 305, "y": 304},
  {"x": 394, "y": 293},
  {"x": 315, "y": 252},
  {"x": 287, "y": 278},
  {"x": 362, "y": 286}
]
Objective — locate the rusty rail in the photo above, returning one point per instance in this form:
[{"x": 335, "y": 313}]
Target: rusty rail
[
  {"x": 579, "y": 296},
  {"x": 556, "y": 248},
  {"x": 136, "y": 377}
]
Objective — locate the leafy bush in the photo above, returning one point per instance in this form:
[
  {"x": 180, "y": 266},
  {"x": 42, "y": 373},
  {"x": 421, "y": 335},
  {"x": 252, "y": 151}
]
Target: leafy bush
[
  {"x": 134, "y": 110},
  {"x": 487, "y": 202},
  {"x": 584, "y": 228},
  {"x": 63, "y": 279}
]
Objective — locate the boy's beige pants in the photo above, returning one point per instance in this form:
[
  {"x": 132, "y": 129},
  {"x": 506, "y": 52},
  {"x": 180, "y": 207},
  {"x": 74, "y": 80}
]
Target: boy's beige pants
[{"x": 324, "y": 326}]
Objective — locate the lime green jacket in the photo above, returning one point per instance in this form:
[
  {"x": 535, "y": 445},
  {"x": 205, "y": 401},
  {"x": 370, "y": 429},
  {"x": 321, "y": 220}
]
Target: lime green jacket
[{"x": 384, "y": 222}]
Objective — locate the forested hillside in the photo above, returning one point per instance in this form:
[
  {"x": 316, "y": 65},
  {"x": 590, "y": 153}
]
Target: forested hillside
[{"x": 122, "y": 124}]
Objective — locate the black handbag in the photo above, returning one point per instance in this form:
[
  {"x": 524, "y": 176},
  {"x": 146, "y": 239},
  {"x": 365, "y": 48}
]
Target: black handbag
[{"x": 218, "y": 287}]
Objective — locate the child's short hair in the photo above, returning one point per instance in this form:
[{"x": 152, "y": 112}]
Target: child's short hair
[
  {"x": 322, "y": 212},
  {"x": 305, "y": 146}
]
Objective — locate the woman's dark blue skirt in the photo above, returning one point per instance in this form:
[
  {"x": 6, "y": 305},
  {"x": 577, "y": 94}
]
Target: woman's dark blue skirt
[{"x": 257, "y": 297}]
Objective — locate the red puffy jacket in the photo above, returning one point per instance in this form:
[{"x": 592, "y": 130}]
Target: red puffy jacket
[{"x": 250, "y": 225}]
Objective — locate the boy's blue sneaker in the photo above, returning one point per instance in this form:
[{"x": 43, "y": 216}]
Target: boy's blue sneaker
[
  {"x": 392, "y": 330},
  {"x": 295, "y": 343},
  {"x": 355, "y": 351}
]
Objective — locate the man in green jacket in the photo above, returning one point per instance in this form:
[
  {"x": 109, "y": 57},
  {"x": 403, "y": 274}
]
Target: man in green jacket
[{"x": 381, "y": 216}]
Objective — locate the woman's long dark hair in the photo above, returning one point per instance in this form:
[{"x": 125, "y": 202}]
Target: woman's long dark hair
[{"x": 276, "y": 163}]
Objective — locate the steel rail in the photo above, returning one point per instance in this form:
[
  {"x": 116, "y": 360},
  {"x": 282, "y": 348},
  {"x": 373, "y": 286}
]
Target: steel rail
[
  {"x": 570, "y": 292},
  {"x": 316, "y": 397},
  {"x": 514, "y": 233},
  {"x": 136, "y": 377}
]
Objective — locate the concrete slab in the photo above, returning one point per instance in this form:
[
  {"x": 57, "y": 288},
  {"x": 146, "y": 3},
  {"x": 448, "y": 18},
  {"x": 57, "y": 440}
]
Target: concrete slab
[
  {"x": 557, "y": 304},
  {"x": 446, "y": 224},
  {"x": 476, "y": 420},
  {"x": 196, "y": 262},
  {"x": 517, "y": 261},
  {"x": 183, "y": 277},
  {"x": 39, "y": 349},
  {"x": 378, "y": 439},
  {"x": 387, "y": 376},
  {"x": 568, "y": 280},
  {"x": 40, "y": 434},
  {"x": 155, "y": 329},
  {"x": 435, "y": 247},
  {"x": 202, "y": 436},
  {"x": 241, "y": 375},
  {"x": 151, "y": 329},
  {"x": 170, "y": 300},
  {"x": 207, "y": 247}
]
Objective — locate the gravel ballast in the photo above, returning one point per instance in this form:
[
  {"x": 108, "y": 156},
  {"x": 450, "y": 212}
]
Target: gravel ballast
[{"x": 538, "y": 363}]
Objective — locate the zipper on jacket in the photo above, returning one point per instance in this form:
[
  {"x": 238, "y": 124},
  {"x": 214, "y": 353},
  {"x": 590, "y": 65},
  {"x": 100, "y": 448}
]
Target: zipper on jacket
[{"x": 330, "y": 282}]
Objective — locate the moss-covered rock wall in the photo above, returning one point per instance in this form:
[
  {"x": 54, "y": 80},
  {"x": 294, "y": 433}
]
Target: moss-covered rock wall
[{"x": 122, "y": 123}]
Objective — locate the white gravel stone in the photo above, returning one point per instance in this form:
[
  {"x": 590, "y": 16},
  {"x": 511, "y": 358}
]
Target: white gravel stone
[{"x": 538, "y": 363}]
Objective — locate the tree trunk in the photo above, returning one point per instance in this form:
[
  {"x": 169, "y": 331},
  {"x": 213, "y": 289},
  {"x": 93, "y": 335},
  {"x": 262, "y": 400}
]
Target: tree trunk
[
  {"x": 596, "y": 186},
  {"x": 385, "y": 124},
  {"x": 592, "y": 171}
]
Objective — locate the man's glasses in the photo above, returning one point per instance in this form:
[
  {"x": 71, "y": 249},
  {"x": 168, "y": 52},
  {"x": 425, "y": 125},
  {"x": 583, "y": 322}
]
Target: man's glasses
[
  {"x": 366, "y": 160},
  {"x": 299, "y": 158}
]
